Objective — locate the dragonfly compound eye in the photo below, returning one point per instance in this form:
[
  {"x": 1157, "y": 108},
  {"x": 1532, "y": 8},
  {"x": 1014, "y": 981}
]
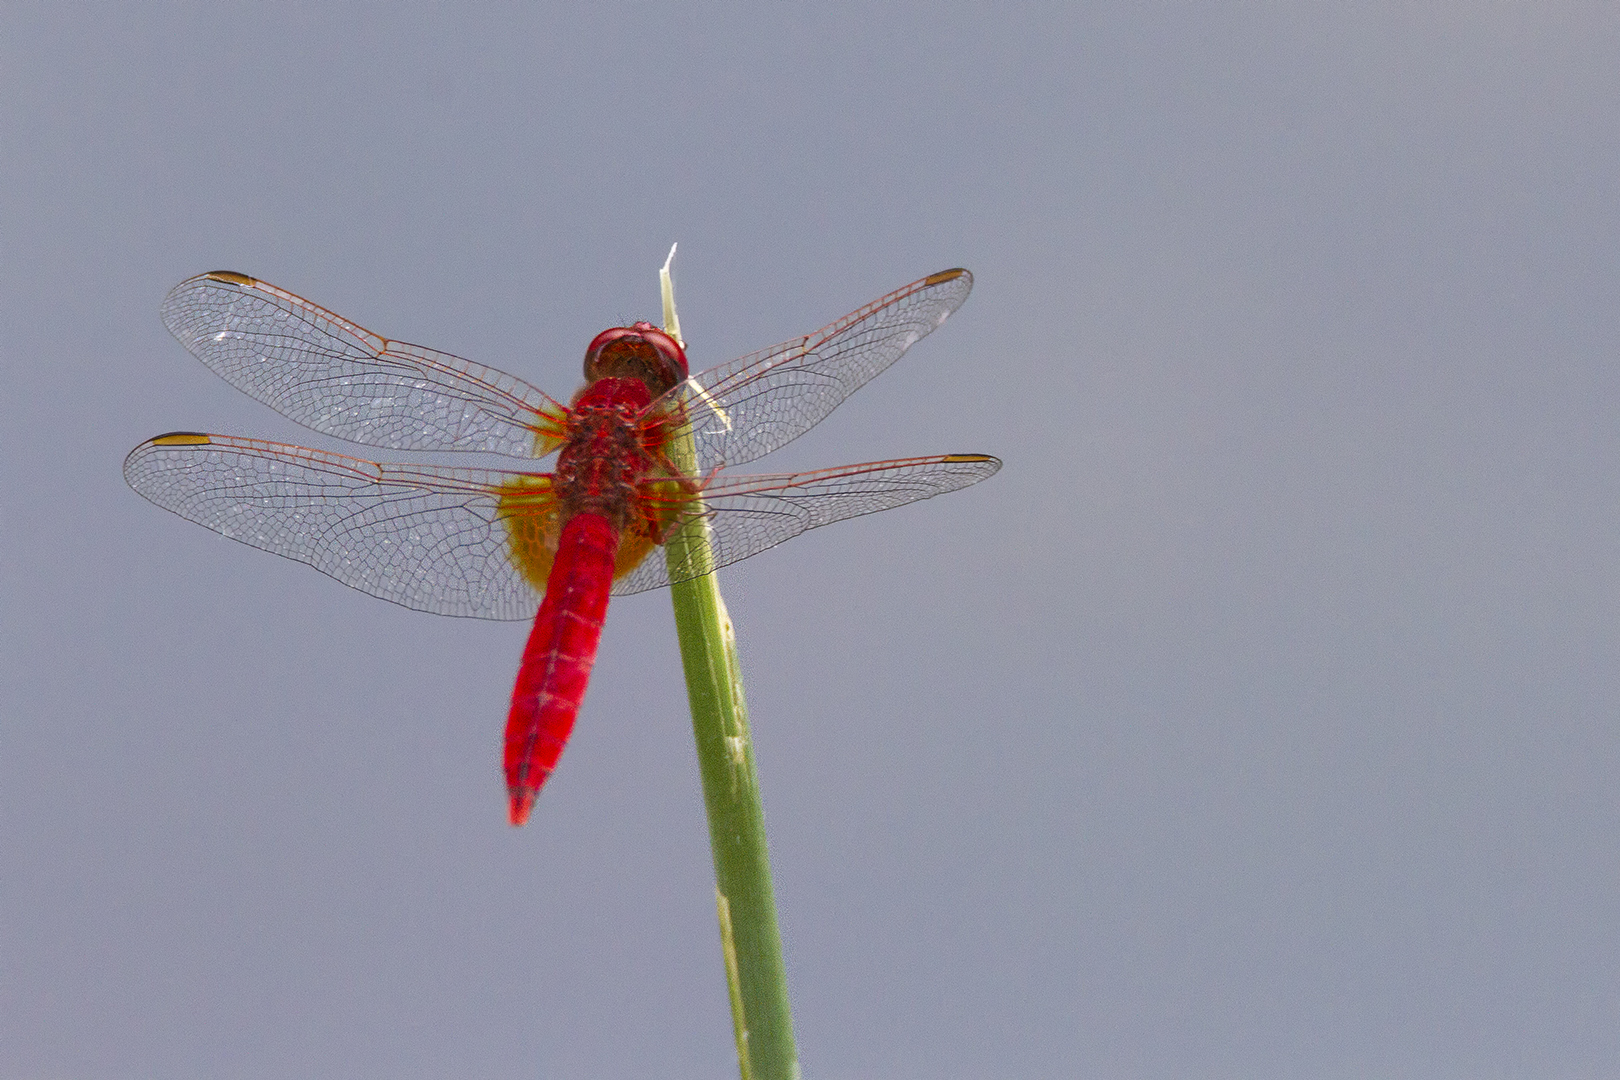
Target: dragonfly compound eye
[{"x": 641, "y": 351}]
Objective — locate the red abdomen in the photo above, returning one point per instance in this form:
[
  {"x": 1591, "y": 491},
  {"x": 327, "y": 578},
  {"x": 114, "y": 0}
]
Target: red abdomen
[{"x": 557, "y": 661}]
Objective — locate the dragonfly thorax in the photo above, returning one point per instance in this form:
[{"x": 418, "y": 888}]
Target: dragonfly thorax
[{"x": 604, "y": 459}]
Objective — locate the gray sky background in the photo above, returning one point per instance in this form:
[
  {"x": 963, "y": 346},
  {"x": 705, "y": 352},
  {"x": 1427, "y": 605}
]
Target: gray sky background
[{"x": 1258, "y": 720}]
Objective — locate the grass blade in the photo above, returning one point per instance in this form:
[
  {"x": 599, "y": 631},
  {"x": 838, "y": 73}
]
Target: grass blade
[{"x": 750, "y": 941}]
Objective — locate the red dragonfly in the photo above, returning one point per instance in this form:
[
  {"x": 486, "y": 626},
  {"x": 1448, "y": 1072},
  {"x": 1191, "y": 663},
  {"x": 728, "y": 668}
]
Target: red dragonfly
[{"x": 640, "y": 448}]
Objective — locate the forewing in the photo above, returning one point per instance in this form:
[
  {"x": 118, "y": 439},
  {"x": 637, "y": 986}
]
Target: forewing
[
  {"x": 747, "y": 408},
  {"x": 338, "y": 378},
  {"x": 747, "y": 514},
  {"x": 423, "y": 537}
]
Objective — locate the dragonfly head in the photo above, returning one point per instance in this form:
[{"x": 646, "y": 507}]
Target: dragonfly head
[{"x": 641, "y": 351}]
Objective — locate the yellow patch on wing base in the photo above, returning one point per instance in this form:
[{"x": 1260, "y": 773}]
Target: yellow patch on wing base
[
  {"x": 530, "y": 514},
  {"x": 634, "y": 545},
  {"x": 549, "y": 433},
  {"x": 659, "y": 505},
  {"x": 534, "y": 522}
]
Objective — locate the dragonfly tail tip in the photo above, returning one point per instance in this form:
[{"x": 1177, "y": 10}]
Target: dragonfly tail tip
[{"x": 518, "y": 811}]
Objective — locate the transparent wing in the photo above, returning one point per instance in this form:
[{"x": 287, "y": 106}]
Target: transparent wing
[
  {"x": 747, "y": 514},
  {"x": 424, "y": 537},
  {"x": 340, "y": 379},
  {"x": 434, "y": 539},
  {"x": 747, "y": 408}
]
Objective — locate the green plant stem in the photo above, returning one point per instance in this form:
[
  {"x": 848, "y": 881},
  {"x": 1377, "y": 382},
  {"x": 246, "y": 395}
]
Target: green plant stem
[{"x": 749, "y": 938}]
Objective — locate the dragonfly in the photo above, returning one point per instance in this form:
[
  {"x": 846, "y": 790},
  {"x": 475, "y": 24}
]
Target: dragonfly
[{"x": 642, "y": 452}]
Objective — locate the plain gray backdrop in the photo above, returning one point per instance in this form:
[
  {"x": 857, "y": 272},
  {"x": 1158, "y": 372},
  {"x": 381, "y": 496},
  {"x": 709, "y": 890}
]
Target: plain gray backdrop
[{"x": 1258, "y": 720}]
